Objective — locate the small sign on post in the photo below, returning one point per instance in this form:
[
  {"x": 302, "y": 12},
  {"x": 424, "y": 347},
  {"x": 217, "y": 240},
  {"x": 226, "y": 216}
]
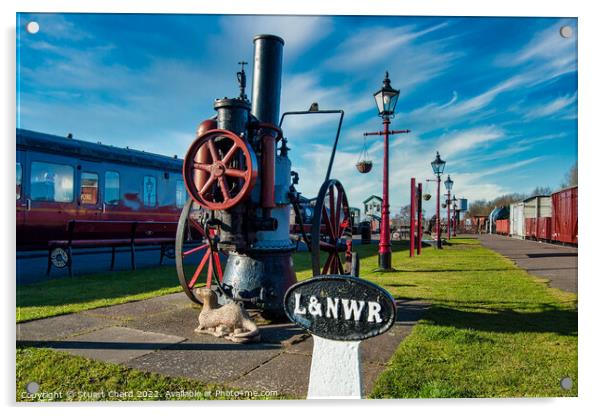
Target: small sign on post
[{"x": 339, "y": 311}]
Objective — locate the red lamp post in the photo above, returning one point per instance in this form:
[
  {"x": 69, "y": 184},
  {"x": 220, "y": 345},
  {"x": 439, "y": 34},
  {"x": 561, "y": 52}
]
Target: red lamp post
[
  {"x": 386, "y": 99},
  {"x": 456, "y": 215},
  {"x": 438, "y": 166},
  {"x": 449, "y": 184}
]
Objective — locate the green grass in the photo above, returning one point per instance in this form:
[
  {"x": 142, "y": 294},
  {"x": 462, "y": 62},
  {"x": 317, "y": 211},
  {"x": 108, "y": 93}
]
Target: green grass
[
  {"x": 81, "y": 379},
  {"x": 70, "y": 295},
  {"x": 491, "y": 330}
]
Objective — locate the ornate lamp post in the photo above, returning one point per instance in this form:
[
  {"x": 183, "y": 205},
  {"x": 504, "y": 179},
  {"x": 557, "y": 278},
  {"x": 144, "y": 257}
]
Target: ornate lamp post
[
  {"x": 449, "y": 184},
  {"x": 386, "y": 99},
  {"x": 455, "y": 206},
  {"x": 438, "y": 166}
]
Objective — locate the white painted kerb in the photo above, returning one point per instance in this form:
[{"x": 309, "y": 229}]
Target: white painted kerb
[{"x": 335, "y": 370}]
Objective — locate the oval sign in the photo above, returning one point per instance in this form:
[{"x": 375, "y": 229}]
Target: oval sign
[{"x": 339, "y": 307}]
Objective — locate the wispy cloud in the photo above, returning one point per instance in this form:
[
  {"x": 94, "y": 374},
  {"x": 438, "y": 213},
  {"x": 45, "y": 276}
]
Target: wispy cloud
[{"x": 555, "y": 107}]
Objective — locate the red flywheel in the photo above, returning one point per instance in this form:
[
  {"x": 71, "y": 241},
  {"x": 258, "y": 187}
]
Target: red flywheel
[{"x": 228, "y": 168}]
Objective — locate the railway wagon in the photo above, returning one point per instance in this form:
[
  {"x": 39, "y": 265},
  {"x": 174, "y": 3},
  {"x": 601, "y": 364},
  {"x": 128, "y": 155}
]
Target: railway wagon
[
  {"x": 517, "y": 220},
  {"x": 61, "y": 180},
  {"x": 537, "y": 214},
  {"x": 564, "y": 218},
  {"x": 502, "y": 226}
]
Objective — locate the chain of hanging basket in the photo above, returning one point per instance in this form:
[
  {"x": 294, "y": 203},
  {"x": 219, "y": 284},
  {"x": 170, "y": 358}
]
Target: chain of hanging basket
[
  {"x": 364, "y": 165},
  {"x": 427, "y": 194}
]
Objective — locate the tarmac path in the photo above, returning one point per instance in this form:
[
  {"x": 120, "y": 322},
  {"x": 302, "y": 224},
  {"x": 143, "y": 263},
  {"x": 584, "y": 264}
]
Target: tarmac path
[{"x": 556, "y": 263}]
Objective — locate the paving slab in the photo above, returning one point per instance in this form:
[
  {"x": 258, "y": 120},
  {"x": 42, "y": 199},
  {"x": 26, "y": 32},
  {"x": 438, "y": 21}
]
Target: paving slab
[
  {"x": 287, "y": 374},
  {"x": 55, "y": 328},
  {"x": 208, "y": 359},
  {"x": 556, "y": 263},
  {"x": 142, "y": 309},
  {"x": 116, "y": 344},
  {"x": 178, "y": 322}
]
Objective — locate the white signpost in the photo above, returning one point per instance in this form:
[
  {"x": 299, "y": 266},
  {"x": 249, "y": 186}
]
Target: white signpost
[
  {"x": 339, "y": 311},
  {"x": 335, "y": 370}
]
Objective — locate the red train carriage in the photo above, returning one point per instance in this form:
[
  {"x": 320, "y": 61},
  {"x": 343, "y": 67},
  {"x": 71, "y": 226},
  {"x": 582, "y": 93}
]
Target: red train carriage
[
  {"x": 71, "y": 190},
  {"x": 564, "y": 218},
  {"x": 502, "y": 226}
]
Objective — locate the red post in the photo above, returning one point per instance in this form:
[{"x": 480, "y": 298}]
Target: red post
[
  {"x": 438, "y": 221},
  {"x": 456, "y": 220},
  {"x": 419, "y": 212},
  {"x": 412, "y": 215},
  {"x": 448, "y": 216},
  {"x": 384, "y": 245}
]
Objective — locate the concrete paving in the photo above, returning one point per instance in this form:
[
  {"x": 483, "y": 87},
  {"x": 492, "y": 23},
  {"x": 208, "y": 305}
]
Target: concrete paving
[
  {"x": 157, "y": 335},
  {"x": 556, "y": 263}
]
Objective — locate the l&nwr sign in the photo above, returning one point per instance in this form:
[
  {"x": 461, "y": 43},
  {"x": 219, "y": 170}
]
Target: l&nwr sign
[{"x": 340, "y": 307}]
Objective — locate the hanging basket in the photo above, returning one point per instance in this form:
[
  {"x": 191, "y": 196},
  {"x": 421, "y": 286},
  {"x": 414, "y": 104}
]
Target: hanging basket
[
  {"x": 364, "y": 166},
  {"x": 427, "y": 196}
]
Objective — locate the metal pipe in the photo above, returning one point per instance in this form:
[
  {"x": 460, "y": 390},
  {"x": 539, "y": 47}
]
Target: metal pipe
[
  {"x": 268, "y": 171},
  {"x": 267, "y": 76}
]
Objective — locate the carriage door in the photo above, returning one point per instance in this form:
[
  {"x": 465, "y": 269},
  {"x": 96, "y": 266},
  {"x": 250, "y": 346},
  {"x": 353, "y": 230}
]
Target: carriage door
[{"x": 89, "y": 202}]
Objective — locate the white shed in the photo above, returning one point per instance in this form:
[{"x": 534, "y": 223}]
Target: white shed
[{"x": 517, "y": 220}]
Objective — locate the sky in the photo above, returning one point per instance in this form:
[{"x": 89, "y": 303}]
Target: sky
[{"x": 497, "y": 97}]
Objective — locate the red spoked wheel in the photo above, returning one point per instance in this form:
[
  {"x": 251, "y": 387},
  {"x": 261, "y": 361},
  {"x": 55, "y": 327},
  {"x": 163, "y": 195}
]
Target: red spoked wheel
[
  {"x": 229, "y": 169},
  {"x": 193, "y": 241},
  {"x": 331, "y": 233}
]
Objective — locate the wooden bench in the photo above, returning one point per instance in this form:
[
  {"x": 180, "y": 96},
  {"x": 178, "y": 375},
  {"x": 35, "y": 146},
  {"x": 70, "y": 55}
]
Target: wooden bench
[{"x": 93, "y": 234}]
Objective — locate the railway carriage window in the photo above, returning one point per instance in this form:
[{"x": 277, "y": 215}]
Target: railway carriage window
[
  {"x": 150, "y": 191},
  {"x": 19, "y": 175},
  {"x": 180, "y": 194},
  {"x": 89, "y": 188},
  {"x": 112, "y": 188},
  {"x": 51, "y": 182}
]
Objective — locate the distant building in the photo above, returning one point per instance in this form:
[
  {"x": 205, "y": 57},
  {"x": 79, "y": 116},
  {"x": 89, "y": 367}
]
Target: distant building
[{"x": 373, "y": 206}]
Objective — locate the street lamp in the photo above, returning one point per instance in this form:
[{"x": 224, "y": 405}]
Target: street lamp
[
  {"x": 438, "y": 166},
  {"x": 386, "y": 100},
  {"x": 449, "y": 184}
]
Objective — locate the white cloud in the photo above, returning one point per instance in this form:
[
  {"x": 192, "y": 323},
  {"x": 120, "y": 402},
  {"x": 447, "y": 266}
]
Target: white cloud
[
  {"x": 555, "y": 107},
  {"x": 299, "y": 33},
  {"x": 462, "y": 141}
]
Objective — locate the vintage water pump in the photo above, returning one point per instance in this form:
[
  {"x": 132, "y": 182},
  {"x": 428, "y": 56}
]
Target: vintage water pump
[{"x": 238, "y": 176}]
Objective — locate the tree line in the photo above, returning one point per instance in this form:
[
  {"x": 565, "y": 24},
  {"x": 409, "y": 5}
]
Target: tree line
[{"x": 484, "y": 207}]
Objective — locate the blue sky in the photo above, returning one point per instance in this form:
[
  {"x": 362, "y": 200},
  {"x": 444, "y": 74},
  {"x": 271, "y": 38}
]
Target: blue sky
[{"x": 496, "y": 96}]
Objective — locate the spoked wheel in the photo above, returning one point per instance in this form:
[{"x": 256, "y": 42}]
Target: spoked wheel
[
  {"x": 227, "y": 167},
  {"x": 331, "y": 233},
  {"x": 192, "y": 239}
]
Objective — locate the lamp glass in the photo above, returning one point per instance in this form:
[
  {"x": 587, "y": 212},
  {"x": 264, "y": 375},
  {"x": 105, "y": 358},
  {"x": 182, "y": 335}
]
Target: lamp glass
[{"x": 438, "y": 165}]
